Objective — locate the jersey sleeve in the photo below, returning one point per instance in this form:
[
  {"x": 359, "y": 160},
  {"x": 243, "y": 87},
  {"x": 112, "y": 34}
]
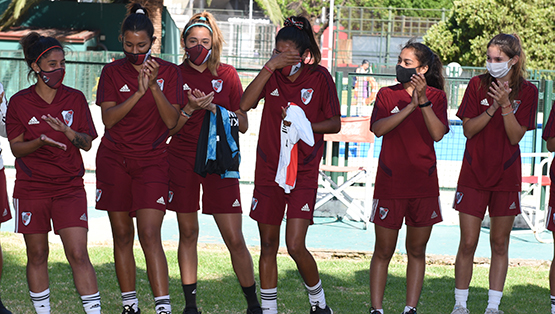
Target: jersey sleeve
[
  {"x": 440, "y": 107},
  {"x": 14, "y": 126},
  {"x": 106, "y": 90},
  {"x": 380, "y": 107},
  {"x": 86, "y": 124},
  {"x": 469, "y": 107},
  {"x": 330, "y": 101},
  {"x": 174, "y": 88},
  {"x": 549, "y": 128},
  {"x": 525, "y": 112},
  {"x": 236, "y": 91}
]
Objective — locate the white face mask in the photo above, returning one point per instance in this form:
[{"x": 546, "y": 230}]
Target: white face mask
[{"x": 498, "y": 70}]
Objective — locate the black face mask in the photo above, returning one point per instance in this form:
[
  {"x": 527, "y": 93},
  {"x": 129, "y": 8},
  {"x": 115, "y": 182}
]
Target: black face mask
[{"x": 404, "y": 74}]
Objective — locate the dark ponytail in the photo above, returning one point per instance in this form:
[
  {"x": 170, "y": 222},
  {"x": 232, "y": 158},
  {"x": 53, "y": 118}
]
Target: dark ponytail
[
  {"x": 137, "y": 20},
  {"x": 36, "y": 47},
  {"x": 298, "y": 30},
  {"x": 426, "y": 57}
]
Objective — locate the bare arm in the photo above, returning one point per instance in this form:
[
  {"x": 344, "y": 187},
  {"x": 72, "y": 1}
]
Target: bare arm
[
  {"x": 331, "y": 125},
  {"x": 21, "y": 148},
  {"x": 385, "y": 125},
  {"x": 196, "y": 100},
  {"x": 436, "y": 128},
  {"x": 278, "y": 61},
  {"x": 168, "y": 112},
  {"x": 500, "y": 92},
  {"x": 550, "y": 144},
  {"x": 80, "y": 140}
]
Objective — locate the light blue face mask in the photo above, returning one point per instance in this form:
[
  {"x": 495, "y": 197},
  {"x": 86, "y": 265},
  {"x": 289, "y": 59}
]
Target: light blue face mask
[{"x": 499, "y": 69}]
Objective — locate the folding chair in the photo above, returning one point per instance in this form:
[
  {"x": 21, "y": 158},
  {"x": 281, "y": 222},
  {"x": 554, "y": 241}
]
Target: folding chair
[
  {"x": 536, "y": 216},
  {"x": 353, "y": 130}
]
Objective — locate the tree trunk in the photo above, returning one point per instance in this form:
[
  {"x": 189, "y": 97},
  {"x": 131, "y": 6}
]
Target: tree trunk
[{"x": 156, "y": 9}]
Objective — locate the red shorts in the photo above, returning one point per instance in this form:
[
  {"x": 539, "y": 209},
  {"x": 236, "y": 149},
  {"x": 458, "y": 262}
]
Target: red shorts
[
  {"x": 417, "y": 212},
  {"x": 33, "y": 216},
  {"x": 474, "y": 202},
  {"x": 6, "y": 214},
  {"x": 268, "y": 204},
  {"x": 219, "y": 196},
  {"x": 127, "y": 185}
]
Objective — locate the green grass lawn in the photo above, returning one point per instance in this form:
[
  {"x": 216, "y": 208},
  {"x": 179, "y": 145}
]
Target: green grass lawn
[{"x": 345, "y": 280}]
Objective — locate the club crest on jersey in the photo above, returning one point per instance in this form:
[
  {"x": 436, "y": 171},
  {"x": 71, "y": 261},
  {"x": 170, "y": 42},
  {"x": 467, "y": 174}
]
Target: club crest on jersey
[
  {"x": 98, "y": 194},
  {"x": 306, "y": 95},
  {"x": 458, "y": 197},
  {"x": 254, "y": 203},
  {"x": 217, "y": 85},
  {"x": 160, "y": 82},
  {"x": 68, "y": 117},
  {"x": 170, "y": 196},
  {"x": 26, "y": 218},
  {"x": 383, "y": 212}
]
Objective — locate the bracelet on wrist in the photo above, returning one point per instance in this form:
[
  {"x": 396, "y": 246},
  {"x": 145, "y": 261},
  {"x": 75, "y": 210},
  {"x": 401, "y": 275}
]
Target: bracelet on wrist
[
  {"x": 183, "y": 113},
  {"x": 490, "y": 115},
  {"x": 504, "y": 107},
  {"x": 506, "y": 114},
  {"x": 426, "y": 104},
  {"x": 268, "y": 69}
]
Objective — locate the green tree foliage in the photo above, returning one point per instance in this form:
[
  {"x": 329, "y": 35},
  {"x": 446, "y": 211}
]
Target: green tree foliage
[{"x": 463, "y": 38}]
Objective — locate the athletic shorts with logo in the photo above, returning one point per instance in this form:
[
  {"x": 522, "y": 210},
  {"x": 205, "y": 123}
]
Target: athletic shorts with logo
[
  {"x": 219, "y": 196},
  {"x": 474, "y": 202},
  {"x": 417, "y": 212},
  {"x": 34, "y": 215},
  {"x": 127, "y": 185},
  {"x": 269, "y": 202},
  {"x": 5, "y": 213}
]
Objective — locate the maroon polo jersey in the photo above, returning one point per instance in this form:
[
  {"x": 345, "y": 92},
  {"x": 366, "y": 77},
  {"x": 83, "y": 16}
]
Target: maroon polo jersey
[
  {"x": 48, "y": 171},
  {"x": 407, "y": 165},
  {"x": 142, "y": 133},
  {"x": 490, "y": 162}
]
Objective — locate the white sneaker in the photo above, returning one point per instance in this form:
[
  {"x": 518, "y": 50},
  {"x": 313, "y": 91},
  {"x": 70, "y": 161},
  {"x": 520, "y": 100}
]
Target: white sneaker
[
  {"x": 460, "y": 310},
  {"x": 493, "y": 311}
]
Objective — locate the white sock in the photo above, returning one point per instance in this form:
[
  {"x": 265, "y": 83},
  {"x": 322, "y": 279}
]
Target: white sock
[
  {"x": 494, "y": 299},
  {"x": 316, "y": 295},
  {"x": 41, "y": 301},
  {"x": 380, "y": 310},
  {"x": 461, "y": 295},
  {"x": 91, "y": 303},
  {"x": 130, "y": 298},
  {"x": 407, "y": 309},
  {"x": 552, "y": 304},
  {"x": 162, "y": 304},
  {"x": 269, "y": 300}
]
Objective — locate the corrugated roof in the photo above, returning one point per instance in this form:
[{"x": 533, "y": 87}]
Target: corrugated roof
[{"x": 63, "y": 35}]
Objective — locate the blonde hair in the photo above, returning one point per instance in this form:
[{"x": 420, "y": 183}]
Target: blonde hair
[{"x": 217, "y": 38}]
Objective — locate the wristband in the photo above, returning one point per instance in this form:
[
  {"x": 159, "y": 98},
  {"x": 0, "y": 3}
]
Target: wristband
[
  {"x": 267, "y": 68},
  {"x": 506, "y": 114},
  {"x": 426, "y": 104},
  {"x": 183, "y": 113},
  {"x": 507, "y": 106},
  {"x": 491, "y": 116}
]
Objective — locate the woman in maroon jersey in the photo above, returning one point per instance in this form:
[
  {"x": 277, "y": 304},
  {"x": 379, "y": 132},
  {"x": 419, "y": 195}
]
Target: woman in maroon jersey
[
  {"x": 48, "y": 124},
  {"x": 410, "y": 116},
  {"x": 497, "y": 110},
  {"x": 140, "y": 97},
  {"x": 207, "y": 82},
  {"x": 287, "y": 78}
]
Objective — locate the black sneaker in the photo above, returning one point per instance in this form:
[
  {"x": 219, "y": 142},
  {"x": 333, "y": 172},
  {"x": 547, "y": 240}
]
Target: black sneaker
[
  {"x": 127, "y": 309},
  {"x": 255, "y": 310},
  {"x": 374, "y": 311},
  {"x": 317, "y": 310},
  {"x": 191, "y": 310},
  {"x": 412, "y": 311}
]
